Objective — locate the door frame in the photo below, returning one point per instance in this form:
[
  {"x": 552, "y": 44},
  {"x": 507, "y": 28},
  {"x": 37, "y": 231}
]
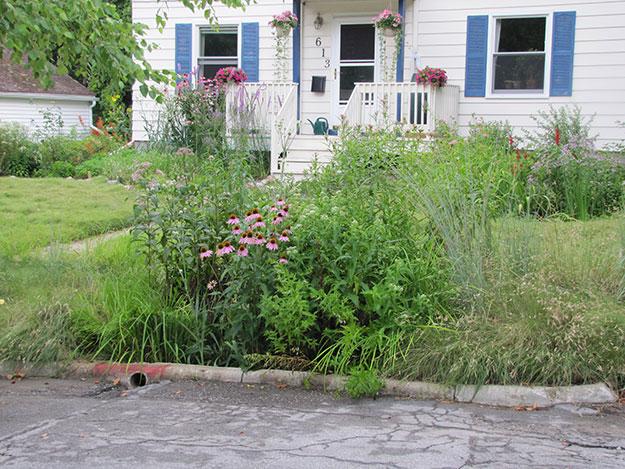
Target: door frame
[{"x": 338, "y": 20}]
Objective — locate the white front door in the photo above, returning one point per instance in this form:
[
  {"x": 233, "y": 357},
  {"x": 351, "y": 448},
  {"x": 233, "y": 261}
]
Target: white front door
[{"x": 354, "y": 59}]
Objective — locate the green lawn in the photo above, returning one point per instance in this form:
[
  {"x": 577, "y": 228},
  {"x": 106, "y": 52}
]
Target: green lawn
[{"x": 38, "y": 212}]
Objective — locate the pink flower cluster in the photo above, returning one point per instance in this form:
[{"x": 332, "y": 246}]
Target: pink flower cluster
[
  {"x": 230, "y": 75},
  {"x": 252, "y": 230},
  {"x": 285, "y": 20},
  {"x": 387, "y": 19},
  {"x": 432, "y": 76}
]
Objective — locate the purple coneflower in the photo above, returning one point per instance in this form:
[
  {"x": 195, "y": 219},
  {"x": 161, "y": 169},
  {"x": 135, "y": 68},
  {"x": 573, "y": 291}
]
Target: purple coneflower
[
  {"x": 273, "y": 208},
  {"x": 260, "y": 239},
  {"x": 283, "y": 260},
  {"x": 277, "y": 220},
  {"x": 233, "y": 220},
  {"x": 224, "y": 248},
  {"x": 204, "y": 253},
  {"x": 280, "y": 202},
  {"x": 284, "y": 237},
  {"x": 259, "y": 223},
  {"x": 272, "y": 244},
  {"x": 284, "y": 211},
  {"x": 242, "y": 251},
  {"x": 252, "y": 215},
  {"x": 237, "y": 230}
]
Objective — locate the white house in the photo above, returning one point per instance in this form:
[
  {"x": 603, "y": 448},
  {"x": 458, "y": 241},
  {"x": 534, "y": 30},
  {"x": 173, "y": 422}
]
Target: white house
[
  {"x": 24, "y": 101},
  {"x": 505, "y": 60}
]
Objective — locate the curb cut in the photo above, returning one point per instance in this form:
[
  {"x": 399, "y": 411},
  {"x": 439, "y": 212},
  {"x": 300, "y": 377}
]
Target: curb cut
[{"x": 491, "y": 395}]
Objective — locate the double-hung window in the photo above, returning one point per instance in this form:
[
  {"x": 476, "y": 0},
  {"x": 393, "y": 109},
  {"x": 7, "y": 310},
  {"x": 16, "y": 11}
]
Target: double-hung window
[
  {"x": 519, "y": 55},
  {"x": 219, "y": 48}
]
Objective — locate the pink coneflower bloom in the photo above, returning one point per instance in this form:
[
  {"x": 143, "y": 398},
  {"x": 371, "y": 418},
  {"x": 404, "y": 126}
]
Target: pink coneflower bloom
[
  {"x": 242, "y": 251},
  {"x": 273, "y": 208},
  {"x": 280, "y": 202},
  {"x": 233, "y": 220},
  {"x": 259, "y": 223},
  {"x": 252, "y": 215},
  {"x": 204, "y": 253},
  {"x": 272, "y": 244},
  {"x": 237, "y": 230},
  {"x": 260, "y": 239},
  {"x": 284, "y": 237},
  {"x": 247, "y": 238},
  {"x": 284, "y": 212},
  {"x": 224, "y": 248},
  {"x": 283, "y": 260},
  {"x": 277, "y": 220}
]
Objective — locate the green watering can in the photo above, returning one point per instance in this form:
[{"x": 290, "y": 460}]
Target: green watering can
[{"x": 320, "y": 126}]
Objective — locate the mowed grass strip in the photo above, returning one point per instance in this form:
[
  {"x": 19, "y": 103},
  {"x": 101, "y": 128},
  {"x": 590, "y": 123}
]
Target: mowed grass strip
[{"x": 39, "y": 212}]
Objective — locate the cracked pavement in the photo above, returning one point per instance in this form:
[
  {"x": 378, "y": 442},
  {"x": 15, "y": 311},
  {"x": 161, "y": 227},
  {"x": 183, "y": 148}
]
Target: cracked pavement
[{"x": 63, "y": 423}]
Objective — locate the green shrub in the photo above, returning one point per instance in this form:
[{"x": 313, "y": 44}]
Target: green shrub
[
  {"x": 18, "y": 154},
  {"x": 288, "y": 319},
  {"x": 363, "y": 383},
  {"x": 91, "y": 168},
  {"x": 569, "y": 176},
  {"x": 61, "y": 169}
]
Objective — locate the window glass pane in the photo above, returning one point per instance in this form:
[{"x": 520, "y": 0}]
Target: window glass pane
[
  {"x": 209, "y": 70},
  {"x": 521, "y": 34},
  {"x": 519, "y": 72},
  {"x": 350, "y": 76},
  {"x": 357, "y": 42},
  {"x": 219, "y": 45}
]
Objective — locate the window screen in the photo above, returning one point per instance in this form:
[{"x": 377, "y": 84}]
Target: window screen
[
  {"x": 519, "y": 57},
  {"x": 219, "y": 48}
]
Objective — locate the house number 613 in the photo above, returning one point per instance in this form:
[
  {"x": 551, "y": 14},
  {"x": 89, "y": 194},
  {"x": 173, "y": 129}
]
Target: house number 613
[{"x": 326, "y": 62}]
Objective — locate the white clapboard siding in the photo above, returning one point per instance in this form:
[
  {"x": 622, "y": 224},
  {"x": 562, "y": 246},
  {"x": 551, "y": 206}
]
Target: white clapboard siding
[
  {"x": 435, "y": 36},
  {"x": 144, "y": 11},
  {"x": 29, "y": 113},
  {"x": 599, "y": 63}
]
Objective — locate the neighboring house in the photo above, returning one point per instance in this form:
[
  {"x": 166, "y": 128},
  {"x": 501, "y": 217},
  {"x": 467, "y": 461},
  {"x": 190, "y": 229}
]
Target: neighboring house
[
  {"x": 64, "y": 108},
  {"x": 505, "y": 60}
]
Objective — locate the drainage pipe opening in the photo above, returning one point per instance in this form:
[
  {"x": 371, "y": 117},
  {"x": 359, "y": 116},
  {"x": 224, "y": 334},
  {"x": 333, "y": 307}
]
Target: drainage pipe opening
[{"x": 137, "y": 380}]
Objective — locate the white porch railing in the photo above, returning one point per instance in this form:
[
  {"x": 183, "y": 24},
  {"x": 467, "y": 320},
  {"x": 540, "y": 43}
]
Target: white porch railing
[
  {"x": 254, "y": 106},
  {"x": 414, "y": 104},
  {"x": 283, "y": 129}
]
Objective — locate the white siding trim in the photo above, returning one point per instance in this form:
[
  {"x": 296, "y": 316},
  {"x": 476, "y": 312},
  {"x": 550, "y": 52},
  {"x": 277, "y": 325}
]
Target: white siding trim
[{"x": 47, "y": 96}]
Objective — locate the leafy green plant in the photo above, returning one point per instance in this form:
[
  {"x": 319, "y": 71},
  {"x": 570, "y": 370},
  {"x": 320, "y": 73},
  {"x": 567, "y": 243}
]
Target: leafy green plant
[
  {"x": 19, "y": 156},
  {"x": 287, "y": 316},
  {"x": 363, "y": 383}
]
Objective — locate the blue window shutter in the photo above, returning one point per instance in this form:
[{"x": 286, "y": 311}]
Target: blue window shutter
[
  {"x": 476, "y": 59},
  {"x": 184, "y": 43},
  {"x": 249, "y": 50},
  {"x": 562, "y": 53}
]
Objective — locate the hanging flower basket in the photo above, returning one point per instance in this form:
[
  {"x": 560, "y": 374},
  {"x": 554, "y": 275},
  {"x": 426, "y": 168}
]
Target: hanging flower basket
[
  {"x": 284, "y": 23},
  {"x": 435, "y": 77},
  {"x": 230, "y": 75},
  {"x": 388, "y": 22},
  {"x": 283, "y": 31}
]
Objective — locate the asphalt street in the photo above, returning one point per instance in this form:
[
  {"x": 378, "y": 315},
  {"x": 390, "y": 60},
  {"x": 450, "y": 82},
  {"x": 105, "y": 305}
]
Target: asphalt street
[{"x": 64, "y": 424}]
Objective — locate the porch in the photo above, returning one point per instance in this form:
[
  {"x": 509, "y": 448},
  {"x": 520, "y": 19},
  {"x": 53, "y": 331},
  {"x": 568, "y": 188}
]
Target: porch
[{"x": 270, "y": 111}]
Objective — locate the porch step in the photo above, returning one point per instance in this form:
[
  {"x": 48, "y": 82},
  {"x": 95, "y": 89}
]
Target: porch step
[{"x": 303, "y": 150}]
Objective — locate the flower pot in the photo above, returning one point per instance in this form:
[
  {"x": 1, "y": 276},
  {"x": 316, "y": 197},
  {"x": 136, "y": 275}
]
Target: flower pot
[
  {"x": 389, "y": 32},
  {"x": 282, "y": 31}
]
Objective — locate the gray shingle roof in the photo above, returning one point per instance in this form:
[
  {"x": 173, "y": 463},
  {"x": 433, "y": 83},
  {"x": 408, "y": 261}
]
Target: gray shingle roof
[{"x": 16, "y": 78}]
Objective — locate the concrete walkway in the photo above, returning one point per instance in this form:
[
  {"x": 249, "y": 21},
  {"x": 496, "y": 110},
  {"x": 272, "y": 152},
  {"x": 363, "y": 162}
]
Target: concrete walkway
[
  {"x": 82, "y": 245},
  {"x": 52, "y": 423}
]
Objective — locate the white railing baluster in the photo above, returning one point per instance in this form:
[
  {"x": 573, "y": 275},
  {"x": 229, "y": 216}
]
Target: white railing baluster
[{"x": 413, "y": 104}]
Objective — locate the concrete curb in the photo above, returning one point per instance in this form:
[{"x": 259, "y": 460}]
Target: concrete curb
[{"x": 493, "y": 395}]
